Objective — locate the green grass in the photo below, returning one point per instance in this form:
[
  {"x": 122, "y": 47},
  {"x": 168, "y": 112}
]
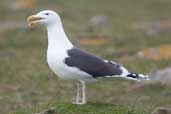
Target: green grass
[
  {"x": 28, "y": 86},
  {"x": 90, "y": 108}
]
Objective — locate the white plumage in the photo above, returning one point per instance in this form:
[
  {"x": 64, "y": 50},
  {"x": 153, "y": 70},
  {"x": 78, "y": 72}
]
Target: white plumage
[{"x": 71, "y": 63}]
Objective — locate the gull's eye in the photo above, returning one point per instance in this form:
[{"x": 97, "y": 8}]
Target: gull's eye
[{"x": 46, "y": 13}]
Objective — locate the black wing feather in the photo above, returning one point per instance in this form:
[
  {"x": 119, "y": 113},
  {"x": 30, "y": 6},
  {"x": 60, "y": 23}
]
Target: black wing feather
[{"x": 91, "y": 64}]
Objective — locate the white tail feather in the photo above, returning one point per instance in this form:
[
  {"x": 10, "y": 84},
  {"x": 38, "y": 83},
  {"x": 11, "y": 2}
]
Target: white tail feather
[{"x": 133, "y": 76}]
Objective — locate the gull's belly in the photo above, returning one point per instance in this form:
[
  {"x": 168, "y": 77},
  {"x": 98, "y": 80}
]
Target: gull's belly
[{"x": 58, "y": 66}]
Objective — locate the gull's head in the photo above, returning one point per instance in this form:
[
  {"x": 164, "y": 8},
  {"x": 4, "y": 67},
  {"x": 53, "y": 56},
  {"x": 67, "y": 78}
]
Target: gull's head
[{"x": 46, "y": 17}]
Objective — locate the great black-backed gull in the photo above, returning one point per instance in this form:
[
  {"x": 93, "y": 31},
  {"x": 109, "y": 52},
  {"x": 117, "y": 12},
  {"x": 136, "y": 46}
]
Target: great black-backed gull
[{"x": 71, "y": 63}]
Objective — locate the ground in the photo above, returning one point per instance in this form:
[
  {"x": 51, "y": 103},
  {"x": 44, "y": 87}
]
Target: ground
[{"x": 28, "y": 86}]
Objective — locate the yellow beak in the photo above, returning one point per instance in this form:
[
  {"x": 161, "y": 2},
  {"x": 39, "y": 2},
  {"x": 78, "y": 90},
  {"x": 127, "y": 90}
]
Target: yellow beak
[{"x": 33, "y": 20}]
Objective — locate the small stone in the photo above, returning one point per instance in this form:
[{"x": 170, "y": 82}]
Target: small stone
[
  {"x": 51, "y": 110},
  {"x": 162, "y": 110}
]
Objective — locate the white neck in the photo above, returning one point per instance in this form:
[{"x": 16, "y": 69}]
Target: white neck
[{"x": 57, "y": 37}]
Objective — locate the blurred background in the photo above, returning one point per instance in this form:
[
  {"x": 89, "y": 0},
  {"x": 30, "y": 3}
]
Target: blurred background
[{"x": 136, "y": 33}]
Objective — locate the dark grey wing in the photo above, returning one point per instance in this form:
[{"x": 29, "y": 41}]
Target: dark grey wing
[{"x": 91, "y": 64}]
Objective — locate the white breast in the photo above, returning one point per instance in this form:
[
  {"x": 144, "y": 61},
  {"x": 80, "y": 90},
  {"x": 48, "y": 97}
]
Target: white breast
[{"x": 56, "y": 62}]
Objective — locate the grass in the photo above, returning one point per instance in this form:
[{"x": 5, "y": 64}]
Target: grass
[
  {"x": 90, "y": 108},
  {"x": 28, "y": 86}
]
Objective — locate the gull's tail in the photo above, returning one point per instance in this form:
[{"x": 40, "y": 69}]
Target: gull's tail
[
  {"x": 137, "y": 77},
  {"x": 133, "y": 76}
]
